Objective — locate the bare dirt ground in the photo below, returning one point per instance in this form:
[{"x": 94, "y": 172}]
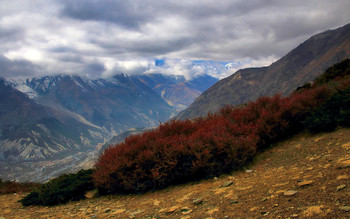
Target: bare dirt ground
[{"x": 305, "y": 176}]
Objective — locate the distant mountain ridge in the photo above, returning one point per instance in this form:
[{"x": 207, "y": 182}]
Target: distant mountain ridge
[
  {"x": 49, "y": 124},
  {"x": 117, "y": 103},
  {"x": 301, "y": 65}
]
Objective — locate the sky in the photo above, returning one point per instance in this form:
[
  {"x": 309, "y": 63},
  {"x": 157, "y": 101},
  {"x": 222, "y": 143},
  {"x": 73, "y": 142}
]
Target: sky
[{"x": 96, "y": 38}]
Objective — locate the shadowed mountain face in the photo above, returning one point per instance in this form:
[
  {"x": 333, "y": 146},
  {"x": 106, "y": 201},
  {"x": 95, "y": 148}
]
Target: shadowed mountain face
[
  {"x": 303, "y": 64},
  {"x": 29, "y": 131}
]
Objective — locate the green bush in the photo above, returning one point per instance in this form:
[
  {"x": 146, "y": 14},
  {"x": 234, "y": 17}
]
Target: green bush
[
  {"x": 338, "y": 70},
  {"x": 335, "y": 112},
  {"x": 65, "y": 188}
]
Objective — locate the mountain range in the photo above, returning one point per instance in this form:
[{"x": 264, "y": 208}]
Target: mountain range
[
  {"x": 301, "y": 65},
  {"x": 52, "y": 118}
]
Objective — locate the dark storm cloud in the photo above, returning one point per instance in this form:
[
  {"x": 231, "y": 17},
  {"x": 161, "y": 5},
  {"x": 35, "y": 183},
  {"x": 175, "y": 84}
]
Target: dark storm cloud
[
  {"x": 93, "y": 69},
  {"x": 17, "y": 68},
  {"x": 148, "y": 48},
  {"x": 10, "y": 34},
  {"x": 129, "y": 14}
]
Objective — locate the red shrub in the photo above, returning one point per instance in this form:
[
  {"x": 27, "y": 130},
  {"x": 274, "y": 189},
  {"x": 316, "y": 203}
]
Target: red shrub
[
  {"x": 185, "y": 150},
  {"x": 174, "y": 152}
]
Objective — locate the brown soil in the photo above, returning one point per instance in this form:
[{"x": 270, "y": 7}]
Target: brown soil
[{"x": 305, "y": 176}]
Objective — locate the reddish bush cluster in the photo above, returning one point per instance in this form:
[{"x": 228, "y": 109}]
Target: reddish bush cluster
[
  {"x": 176, "y": 151},
  {"x": 184, "y": 150},
  {"x": 272, "y": 118}
]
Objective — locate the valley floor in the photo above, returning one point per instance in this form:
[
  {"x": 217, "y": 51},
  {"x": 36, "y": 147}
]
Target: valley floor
[{"x": 305, "y": 176}]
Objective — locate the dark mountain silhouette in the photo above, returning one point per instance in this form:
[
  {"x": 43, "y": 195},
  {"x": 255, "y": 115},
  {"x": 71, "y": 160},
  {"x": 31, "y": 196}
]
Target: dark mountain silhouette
[{"x": 303, "y": 64}]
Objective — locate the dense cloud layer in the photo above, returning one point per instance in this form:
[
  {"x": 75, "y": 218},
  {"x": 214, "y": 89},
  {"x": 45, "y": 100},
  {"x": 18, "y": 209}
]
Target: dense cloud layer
[{"x": 101, "y": 38}]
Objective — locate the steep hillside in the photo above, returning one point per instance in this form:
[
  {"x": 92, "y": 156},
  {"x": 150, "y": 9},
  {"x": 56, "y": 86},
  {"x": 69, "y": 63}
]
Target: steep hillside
[
  {"x": 305, "y": 176},
  {"x": 301, "y": 65}
]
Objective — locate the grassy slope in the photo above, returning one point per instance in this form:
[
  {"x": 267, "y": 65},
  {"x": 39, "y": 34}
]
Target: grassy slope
[{"x": 323, "y": 159}]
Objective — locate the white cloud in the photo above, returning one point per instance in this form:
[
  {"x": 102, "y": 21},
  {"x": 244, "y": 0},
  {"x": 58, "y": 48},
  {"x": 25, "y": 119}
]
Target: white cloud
[{"x": 111, "y": 36}]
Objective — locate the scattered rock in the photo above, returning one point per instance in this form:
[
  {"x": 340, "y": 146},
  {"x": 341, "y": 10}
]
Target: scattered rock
[
  {"x": 344, "y": 163},
  {"x": 249, "y": 171},
  {"x": 326, "y": 166},
  {"x": 91, "y": 194},
  {"x": 134, "y": 213},
  {"x": 253, "y": 209},
  {"x": 342, "y": 177},
  {"x": 107, "y": 210},
  {"x": 305, "y": 183},
  {"x": 264, "y": 213},
  {"x": 290, "y": 193},
  {"x": 345, "y": 208},
  {"x": 314, "y": 210},
  {"x": 119, "y": 211},
  {"x": 341, "y": 187},
  {"x": 235, "y": 201},
  {"x": 212, "y": 211},
  {"x": 156, "y": 202},
  {"x": 318, "y": 139},
  {"x": 186, "y": 210},
  {"x": 171, "y": 210},
  {"x": 227, "y": 184},
  {"x": 310, "y": 168},
  {"x": 346, "y": 146},
  {"x": 197, "y": 201},
  {"x": 162, "y": 210}
]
